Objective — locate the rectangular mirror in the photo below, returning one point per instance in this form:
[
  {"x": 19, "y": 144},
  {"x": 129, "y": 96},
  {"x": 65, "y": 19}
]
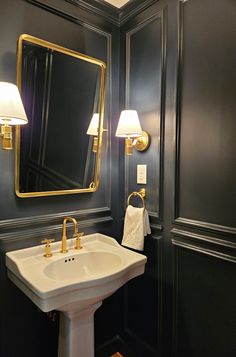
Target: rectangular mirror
[{"x": 61, "y": 90}]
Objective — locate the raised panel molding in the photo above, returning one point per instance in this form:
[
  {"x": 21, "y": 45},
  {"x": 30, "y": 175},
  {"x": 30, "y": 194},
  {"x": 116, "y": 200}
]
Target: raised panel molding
[
  {"x": 30, "y": 231},
  {"x": 221, "y": 249},
  {"x": 185, "y": 244},
  {"x": 146, "y": 292},
  {"x": 155, "y": 226},
  {"x": 177, "y": 219},
  {"x": 9, "y": 225},
  {"x": 155, "y": 216},
  {"x": 206, "y": 226},
  {"x": 141, "y": 342},
  {"x": 202, "y": 283},
  {"x": 204, "y": 238}
]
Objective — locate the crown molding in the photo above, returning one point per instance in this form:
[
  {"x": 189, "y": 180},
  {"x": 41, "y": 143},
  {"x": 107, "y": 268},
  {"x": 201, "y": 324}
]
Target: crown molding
[
  {"x": 133, "y": 8},
  {"x": 110, "y": 12},
  {"x": 98, "y": 7},
  {"x": 115, "y": 16}
]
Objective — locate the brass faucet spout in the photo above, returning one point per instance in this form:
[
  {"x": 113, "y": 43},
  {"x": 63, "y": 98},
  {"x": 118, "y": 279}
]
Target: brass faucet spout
[{"x": 64, "y": 237}]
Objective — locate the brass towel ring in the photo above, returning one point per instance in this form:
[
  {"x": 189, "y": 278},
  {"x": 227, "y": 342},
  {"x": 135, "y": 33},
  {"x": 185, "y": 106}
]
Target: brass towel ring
[{"x": 141, "y": 194}]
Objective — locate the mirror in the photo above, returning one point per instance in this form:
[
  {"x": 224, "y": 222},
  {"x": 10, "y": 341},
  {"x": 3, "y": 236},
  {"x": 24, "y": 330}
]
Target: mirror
[{"x": 61, "y": 90}]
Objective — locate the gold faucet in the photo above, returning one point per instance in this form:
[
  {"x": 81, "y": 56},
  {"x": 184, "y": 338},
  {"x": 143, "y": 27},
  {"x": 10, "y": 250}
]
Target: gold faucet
[
  {"x": 47, "y": 249},
  {"x": 76, "y": 234}
]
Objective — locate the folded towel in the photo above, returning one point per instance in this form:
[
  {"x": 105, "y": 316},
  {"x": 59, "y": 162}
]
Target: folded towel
[{"x": 136, "y": 227}]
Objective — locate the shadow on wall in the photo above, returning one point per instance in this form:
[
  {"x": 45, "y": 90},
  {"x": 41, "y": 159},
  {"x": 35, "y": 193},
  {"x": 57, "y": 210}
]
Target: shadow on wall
[{"x": 9, "y": 67}]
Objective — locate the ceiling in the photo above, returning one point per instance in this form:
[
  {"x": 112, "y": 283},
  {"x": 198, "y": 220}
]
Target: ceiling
[{"x": 117, "y": 3}]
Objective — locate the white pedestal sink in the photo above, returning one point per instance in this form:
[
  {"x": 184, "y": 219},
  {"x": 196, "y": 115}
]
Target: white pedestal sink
[
  {"x": 76, "y": 335},
  {"x": 74, "y": 283}
]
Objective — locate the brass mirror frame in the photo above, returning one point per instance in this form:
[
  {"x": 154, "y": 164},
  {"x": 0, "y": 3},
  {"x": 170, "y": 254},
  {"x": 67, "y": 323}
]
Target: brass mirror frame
[{"x": 95, "y": 183}]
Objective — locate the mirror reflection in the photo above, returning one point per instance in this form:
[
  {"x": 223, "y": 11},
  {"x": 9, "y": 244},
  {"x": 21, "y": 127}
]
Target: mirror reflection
[{"x": 58, "y": 152}]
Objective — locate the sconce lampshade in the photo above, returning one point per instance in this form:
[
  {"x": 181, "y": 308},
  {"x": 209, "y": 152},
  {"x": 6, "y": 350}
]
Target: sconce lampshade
[
  {"x": 129, "y": 125},
  {"x": 94, "y": 124},
  {"x": 93, "y": 130},
  {"x": 12, "y": 111}
]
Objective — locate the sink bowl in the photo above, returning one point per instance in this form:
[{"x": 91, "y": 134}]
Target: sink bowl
[
  {"x": 74, "y": 283},
  {"x": 84, "y": 266},
  {"x": 86, "y": 275}
]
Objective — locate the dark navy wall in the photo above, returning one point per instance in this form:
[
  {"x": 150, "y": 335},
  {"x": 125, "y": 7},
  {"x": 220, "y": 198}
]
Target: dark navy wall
[
  {"x": 24, "y": 330},
  {"x": 174, "y": 61},
  {"x": 93, "y": 39},
  {"x": 179, "y": 72}
]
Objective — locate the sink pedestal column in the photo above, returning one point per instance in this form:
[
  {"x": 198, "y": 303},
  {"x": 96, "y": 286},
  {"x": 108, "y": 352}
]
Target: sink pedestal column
[{"x": 76, "y": 334}]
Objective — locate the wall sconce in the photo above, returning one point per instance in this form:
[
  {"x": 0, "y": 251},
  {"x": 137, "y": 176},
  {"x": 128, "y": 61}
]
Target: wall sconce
[
  {"x": 129, "y": 128},
  {"x": 93, "y": 130},
  {"x": 12, "y": 112}
]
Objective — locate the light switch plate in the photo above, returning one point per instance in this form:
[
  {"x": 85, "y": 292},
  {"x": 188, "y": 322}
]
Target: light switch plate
[{"x": 142, "y": 174}]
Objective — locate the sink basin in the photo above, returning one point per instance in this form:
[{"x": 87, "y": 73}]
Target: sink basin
[
  {"x": 74, "y": 283},
  {"x": 93, "y": 272},
  {"x": 84, "y": 266}
]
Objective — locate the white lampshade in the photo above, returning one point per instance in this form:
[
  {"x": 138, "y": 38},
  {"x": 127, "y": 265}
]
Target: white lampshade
[
  {"x": 129, "y": 125},
  {"x": 94, "y": 124},
  {"x": 12, "y": 111}
]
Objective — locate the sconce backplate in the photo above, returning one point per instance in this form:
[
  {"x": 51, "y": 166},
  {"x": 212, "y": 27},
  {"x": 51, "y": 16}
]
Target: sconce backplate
[
  {"x": 6, "y": 135},
  {"x": 142, "y": 143}
]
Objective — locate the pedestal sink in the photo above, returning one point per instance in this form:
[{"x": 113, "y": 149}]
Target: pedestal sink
[{"x": 74, "y": 283}]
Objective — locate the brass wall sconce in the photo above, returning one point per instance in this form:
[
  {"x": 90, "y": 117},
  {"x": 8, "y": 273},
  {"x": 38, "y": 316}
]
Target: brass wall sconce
[
  {"x": 129, "y": 128},
  {"x": 12, "y": 112},
  {"x": 93, "y": 130}
]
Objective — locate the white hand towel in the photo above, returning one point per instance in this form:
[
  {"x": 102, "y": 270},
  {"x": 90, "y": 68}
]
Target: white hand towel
[
  {"x": 136, "y": 227},
  {"x": 147, "y": 229}
]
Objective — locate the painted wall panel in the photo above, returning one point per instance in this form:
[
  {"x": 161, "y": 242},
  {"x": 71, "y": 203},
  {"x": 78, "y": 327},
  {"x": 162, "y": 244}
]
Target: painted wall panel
[
  {"x": 25, "y": 222},
  {"x": 204, "y": 304},
  {"x": 207, "y": 75}
]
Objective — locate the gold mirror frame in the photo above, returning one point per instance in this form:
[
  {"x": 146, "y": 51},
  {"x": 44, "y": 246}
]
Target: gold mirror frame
[{"x": 95, "y": 182}]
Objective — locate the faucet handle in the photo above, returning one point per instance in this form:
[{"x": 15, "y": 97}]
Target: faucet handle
[
  {"x": 77, "y": 241},
  {"x": 47, "y": 252},
  {"x": 47, "y": 241}
]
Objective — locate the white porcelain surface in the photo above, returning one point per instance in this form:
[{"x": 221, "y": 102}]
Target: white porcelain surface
[
  {"x": 74, "y": 283},
  {"x": 85, "y": 276},
  {"x": 84, "y": 266}
]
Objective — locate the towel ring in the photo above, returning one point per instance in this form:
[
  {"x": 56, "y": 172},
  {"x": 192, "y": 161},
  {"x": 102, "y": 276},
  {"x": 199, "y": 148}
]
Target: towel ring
[{"x": 141, "y": 194}]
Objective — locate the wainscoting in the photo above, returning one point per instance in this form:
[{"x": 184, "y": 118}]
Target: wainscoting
[
  {"x": 25, "y": 222},
  {"x": 173, "y": 61},
  {"x": 180, "y": 75}
]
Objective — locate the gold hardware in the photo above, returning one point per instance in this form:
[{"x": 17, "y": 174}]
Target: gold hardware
[
  {"x": 77, "y": 55},
  {"x": 11, "y": 112},
  {"x": 128, "y": 146},
  {"x": 6, "y": 133},
  {"x": 92, "y": 185},
  {"x": 142, "y": 143},
  {"x": 64, "y": 237},
  {"x": 95, "y": 144},
  {"x": 129, "y": 127},
  {"x": 47, "y": 252},
  {"x": 78, "y": 240},
  {"x": 141, "y": 194}
]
